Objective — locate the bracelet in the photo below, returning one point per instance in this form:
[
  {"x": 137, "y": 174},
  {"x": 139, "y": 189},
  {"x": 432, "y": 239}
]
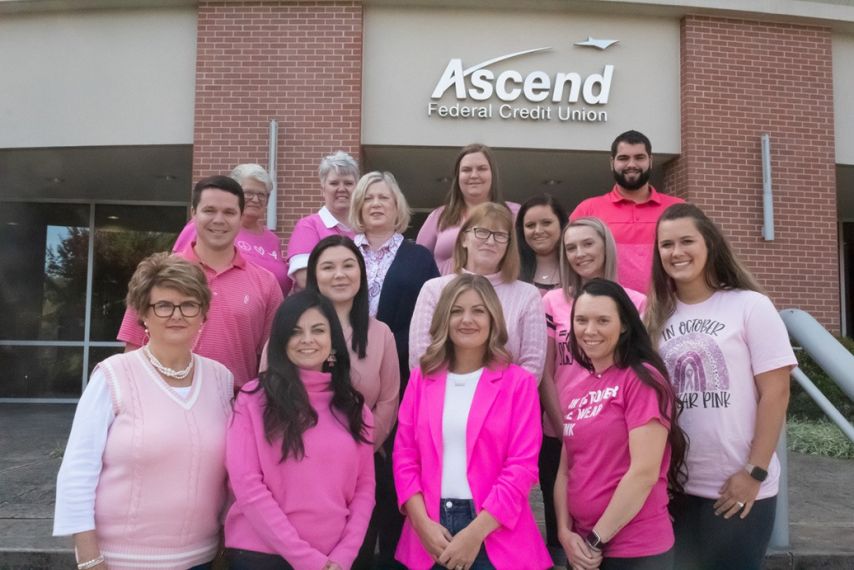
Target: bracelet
[{"x": 91, "y": 563}]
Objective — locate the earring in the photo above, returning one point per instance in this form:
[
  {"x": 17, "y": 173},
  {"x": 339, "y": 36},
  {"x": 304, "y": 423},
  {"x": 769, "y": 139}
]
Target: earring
[{"x": 330, "y": 360}]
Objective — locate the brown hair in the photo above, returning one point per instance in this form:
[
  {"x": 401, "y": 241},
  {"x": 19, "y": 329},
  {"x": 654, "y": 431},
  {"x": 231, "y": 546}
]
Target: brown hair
[
  {"x": 166, "y": 270},
  {"x": 501, "y": 215},
  {"x": 723, "y": 271},
  {"x": 440, "y": 352},
  {"x": 455, "y": 203}
]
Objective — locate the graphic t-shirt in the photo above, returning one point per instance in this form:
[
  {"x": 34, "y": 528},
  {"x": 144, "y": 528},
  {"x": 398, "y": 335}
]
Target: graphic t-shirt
[
  {"x": 558, "y": 324},
  {"x": 713, "y": 350},
  {"x": 602, "y": 410}
]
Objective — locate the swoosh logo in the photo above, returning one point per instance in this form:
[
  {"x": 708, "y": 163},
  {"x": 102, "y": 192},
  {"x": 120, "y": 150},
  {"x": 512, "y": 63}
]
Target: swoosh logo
[
  {"x": 489, "y": 62},
  {"x": 597, "y": 43}
]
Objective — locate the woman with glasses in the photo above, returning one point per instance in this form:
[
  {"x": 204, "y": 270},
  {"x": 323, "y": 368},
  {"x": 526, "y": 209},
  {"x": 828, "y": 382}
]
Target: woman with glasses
[
  {"x": 486, "y": 245},
  {"x": 475, "y": 182},
  {"x": 143, "y": 481},
  {"x": 255, "y": 242}
]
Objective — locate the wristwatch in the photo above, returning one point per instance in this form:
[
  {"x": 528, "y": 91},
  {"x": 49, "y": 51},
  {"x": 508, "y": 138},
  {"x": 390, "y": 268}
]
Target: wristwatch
[
  {"x": 594, "y": 541},
  {"x": 756, "y": 472}
]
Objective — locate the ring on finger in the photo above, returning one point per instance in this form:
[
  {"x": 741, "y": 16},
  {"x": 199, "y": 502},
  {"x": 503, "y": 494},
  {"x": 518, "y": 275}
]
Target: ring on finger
[{"x": 740, "y": 504}]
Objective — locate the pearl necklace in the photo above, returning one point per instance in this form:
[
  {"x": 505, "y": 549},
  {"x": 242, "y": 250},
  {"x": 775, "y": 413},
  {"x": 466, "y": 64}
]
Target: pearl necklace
[{"x": 165, "y": 370}]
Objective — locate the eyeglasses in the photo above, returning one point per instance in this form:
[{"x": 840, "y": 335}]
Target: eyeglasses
[
  {"x": 165, "y": 309},
  {"x": 260, "y": 196},
  {"x": 484, "y": 234}
]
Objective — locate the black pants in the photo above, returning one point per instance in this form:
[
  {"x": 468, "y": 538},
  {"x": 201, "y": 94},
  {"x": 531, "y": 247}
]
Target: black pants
[
  {"x": 708, "y": 542},
  {"x": 662, "y": 561},
  {"x": 549, "y": 462},
  {"x": 239, "y": 559},
  {"x": 386, "y": 520}
]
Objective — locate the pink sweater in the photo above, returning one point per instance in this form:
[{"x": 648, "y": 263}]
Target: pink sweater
[
  {"x": 162, "y": 485},
  {"x": 308, "y": 511},
  {"x": 523, "y": 315}
]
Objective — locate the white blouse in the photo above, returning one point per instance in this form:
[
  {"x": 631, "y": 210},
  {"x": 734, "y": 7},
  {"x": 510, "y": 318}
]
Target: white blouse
[{"x": 459, "y": 393}]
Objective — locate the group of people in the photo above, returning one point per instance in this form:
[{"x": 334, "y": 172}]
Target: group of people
[{"x": 373, "y": 402}]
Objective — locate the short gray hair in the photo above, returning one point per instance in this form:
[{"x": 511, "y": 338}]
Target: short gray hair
[
  {"x": 251, "y": 170},
  {"x": 357, "y": 200},
  {"x": 341, "y": 162}
]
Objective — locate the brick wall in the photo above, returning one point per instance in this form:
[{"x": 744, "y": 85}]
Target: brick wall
[
  {"x": 299, "y": 63},
  {"x": 740, "y": 79}
]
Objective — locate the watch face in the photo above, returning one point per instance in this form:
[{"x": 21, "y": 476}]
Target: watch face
[{"x": 759, "y": 474}]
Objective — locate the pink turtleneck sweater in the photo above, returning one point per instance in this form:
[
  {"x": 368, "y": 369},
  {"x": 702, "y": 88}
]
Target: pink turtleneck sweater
[
  {"x": 308, "y": 511},
  {"x": 523, "y": 315}
]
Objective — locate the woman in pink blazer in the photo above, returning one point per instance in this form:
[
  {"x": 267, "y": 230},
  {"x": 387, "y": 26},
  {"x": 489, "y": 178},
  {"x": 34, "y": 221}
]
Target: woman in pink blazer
[{"x": 465, "y": 455}]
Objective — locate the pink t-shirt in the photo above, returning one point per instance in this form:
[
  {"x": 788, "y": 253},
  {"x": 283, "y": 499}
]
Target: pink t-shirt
[
  {"x": 261, "y": 249},
  {"x": 558, "y": 324},
  {"x": 310, "y": 230},
  {"x": 441, "y": 243},
  {"x": 713, "y": 350},
  {"x": 633, "y": 226},
  {"x": 602, "y": 409},
  {"x": 245, "y": 299}
]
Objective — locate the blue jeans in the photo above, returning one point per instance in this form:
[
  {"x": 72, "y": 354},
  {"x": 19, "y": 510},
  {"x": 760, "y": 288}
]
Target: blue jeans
[
  {"x": 708, "y": 542},
  {"x": 455, "y": 515}
]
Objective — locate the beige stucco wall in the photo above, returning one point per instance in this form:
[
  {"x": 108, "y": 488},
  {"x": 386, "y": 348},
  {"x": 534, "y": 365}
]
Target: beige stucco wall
[
  {"x": 91, "y": 78},
  {"x": 407, "y": 50},
  {"x": 843, "y": 97}
]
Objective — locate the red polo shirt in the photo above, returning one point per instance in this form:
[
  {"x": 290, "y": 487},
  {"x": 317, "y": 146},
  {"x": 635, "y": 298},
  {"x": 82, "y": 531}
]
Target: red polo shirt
[
  {"x": 633, "y": 226},
  {"x": 244, "y": 300}
]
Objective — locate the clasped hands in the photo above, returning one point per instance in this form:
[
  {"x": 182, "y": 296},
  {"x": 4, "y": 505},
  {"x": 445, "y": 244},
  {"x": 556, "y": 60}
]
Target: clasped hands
[
  {"x": 581, "y": 555},
  {"x": 454, "y": 552}
]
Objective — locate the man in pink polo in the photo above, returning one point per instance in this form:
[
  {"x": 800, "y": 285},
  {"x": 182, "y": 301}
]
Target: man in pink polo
[
  {"x": 245, "y": 296},
  {"x": 631, "y": 209}
]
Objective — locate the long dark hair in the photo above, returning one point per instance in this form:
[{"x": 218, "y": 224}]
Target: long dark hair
[
  {"x": 288, "y": 412},
  {"x": 359, "y": 315},
  {"x": 723, "y": 271},
  {"x": 634, "y": 350},
  {"x": 526, "y": 255}
]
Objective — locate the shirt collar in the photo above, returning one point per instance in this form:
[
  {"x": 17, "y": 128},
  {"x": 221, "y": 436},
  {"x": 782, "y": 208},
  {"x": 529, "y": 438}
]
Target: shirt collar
[
  {"x": 328, "y": 219},
  {"x": 189, "y": 253},
  {"x": 361, "y": 241},
  {"x": 615, "y": 196}
]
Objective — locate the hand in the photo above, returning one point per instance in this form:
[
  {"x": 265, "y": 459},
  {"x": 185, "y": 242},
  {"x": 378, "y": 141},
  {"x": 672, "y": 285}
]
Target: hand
[
  {"x": 578, "y": 552},
  {"x": 738, "y": 494},
  {"x": 434, "y": 537},
  {"x": 463, "y": 549}
]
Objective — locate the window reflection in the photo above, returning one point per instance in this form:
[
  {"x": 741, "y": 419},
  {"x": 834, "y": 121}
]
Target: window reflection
[
  {"x": 43, "y": 270},
  {"x": 124, "y": 236},
  {"x": 40, "y": 371}
]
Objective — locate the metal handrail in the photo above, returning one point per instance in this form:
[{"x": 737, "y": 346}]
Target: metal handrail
[{"x": 838, "y": 364}]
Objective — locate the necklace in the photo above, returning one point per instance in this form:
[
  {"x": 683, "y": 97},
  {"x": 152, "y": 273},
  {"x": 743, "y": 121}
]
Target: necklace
[
  {"x": 550, "y": 275},
  {"x": 165, "y": 370}
]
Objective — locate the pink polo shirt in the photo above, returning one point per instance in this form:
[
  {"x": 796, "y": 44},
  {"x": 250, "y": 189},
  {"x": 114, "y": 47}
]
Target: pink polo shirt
[
  {"x": 264, "y": 250},
  {"x": 633, "y": 226},
  {"x": 310, "y": 230},
  {"x": 245, "y": 299}
]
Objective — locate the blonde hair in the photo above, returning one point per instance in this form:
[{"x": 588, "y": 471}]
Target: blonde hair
[
  {"x": 357, "y": 200},
  {"x": 500, "y": 215},
  {"x": 440, "y": 352},
  {"x": 170, "y": 271},
  {"x": 571, "y": 280}
]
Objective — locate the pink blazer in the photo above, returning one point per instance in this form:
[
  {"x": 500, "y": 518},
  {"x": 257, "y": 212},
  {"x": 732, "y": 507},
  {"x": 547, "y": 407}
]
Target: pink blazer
[{"x": 502, "y": 443}]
